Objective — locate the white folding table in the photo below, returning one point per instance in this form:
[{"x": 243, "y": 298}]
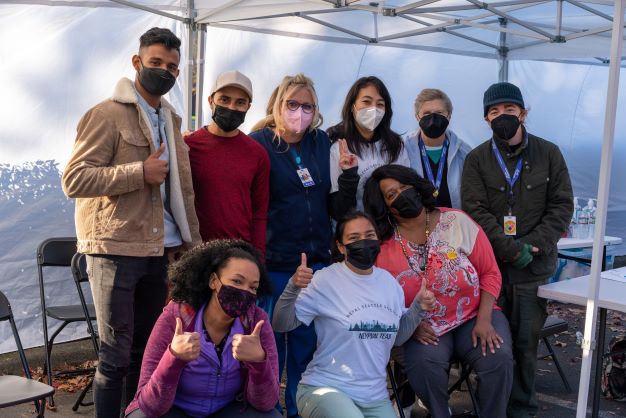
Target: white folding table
[{"x": 612, "y": 296}]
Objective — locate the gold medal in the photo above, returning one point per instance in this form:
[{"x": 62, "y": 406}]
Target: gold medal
[{"x": 436, "y": 193}]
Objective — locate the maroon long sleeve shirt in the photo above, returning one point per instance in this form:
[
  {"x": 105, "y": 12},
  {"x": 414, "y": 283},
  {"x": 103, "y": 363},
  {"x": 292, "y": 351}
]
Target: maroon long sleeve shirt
[{"x": 231, "y": 184}]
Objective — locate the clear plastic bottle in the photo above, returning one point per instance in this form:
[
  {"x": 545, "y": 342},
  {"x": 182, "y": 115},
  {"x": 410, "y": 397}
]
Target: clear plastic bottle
[
  {"x": 575, "y": 233},
  {"x": 583, "y": 221},
  {"x": 591, "y": 205}
]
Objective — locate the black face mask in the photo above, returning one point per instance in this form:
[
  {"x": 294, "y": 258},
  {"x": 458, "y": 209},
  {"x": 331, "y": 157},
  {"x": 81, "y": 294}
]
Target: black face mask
[
  {"x": 505, "y": 126},
  {"x": 434, "y": 125},
  {"x": 408, "y": 204},
  {"x": 156, "y": 81},
  {"x": 227, "y": 119},
  {"x": 362, "y": 254}
]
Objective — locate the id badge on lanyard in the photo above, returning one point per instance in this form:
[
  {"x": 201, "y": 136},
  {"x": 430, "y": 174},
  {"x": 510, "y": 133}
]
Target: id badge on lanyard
[
  {"x": 510, "y": 221},
  {"x": 303, "y": 172}
]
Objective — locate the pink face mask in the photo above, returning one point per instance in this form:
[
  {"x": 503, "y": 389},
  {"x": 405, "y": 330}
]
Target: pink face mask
[{"x": 296, "y": 120}]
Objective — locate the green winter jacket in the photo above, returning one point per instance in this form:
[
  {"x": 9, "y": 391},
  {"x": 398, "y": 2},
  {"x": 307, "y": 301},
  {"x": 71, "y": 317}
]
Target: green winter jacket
[{"x": 542, "y": 203}]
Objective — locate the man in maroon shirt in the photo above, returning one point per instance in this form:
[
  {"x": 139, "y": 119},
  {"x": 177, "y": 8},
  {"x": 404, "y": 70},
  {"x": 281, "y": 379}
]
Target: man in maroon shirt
[{"x": 230, "y": 170}]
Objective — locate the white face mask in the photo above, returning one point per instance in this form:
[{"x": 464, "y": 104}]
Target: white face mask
[{"x": 369, "y": 117}]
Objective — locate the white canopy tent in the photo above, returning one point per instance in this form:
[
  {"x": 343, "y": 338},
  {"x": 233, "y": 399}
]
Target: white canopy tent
[{"x": 558, "y": 31}]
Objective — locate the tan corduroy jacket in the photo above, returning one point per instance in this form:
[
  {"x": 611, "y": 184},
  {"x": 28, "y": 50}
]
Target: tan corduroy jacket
[{"x": 116, "y": 211}]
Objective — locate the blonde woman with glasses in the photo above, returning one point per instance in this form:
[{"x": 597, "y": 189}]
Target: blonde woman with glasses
[{"x": 298, "y": 227}]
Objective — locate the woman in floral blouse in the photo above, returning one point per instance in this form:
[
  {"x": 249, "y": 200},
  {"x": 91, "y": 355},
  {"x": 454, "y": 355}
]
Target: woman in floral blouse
[{"x": 451, "y": 252}]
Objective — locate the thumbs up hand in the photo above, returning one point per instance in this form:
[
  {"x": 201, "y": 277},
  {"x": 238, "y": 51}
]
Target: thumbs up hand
[
  {"x": 154, "y": 169},
  {"x": 248, "y": 347},
  {"x": 303, "y": 275},
  {"x": 425, "y": 297},
  {"x": 347, "y": 159},
  {"x": 185, "y": 345}
]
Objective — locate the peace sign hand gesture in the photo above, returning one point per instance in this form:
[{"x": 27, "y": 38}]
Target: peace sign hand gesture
[{"x": 347, "y": 160}]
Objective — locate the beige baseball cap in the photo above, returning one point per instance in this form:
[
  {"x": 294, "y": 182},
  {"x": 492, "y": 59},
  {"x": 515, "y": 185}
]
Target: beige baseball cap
[{"x": 234, "y": 79}]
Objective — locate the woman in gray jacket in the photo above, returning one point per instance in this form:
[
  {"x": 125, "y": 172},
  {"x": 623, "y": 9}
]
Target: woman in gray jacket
[{"x": 435, "y": 152}]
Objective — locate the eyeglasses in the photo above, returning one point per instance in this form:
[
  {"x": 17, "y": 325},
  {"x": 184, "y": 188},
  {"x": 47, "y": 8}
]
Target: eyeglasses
[{"x": 294, "y": 105}]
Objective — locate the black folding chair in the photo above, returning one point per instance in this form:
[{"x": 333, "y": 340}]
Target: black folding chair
[
  {"x": 58, "y": 252},
  {"x": 464, "y": 377},
  {"x": 15, "y": 390},
  {"x": 552, "y": 326}
]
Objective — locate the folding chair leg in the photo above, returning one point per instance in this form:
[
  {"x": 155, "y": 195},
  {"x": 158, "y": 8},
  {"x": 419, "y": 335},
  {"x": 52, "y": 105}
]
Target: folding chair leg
[
  {"x": 48, "y": 368},
  {"x": 394, "y": 389},
  {"x": 552, "y": 354},
  {"x": 79, "y": 400},
  {"x": 40, "y": 407},
  {"x": 470, "y": 389}
]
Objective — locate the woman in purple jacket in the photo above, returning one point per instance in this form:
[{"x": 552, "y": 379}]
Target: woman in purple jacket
[{"x": 212, "y": 352}]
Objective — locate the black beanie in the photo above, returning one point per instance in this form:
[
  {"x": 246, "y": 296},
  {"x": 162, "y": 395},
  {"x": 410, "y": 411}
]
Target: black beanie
[{"x": 502, "y": 93}]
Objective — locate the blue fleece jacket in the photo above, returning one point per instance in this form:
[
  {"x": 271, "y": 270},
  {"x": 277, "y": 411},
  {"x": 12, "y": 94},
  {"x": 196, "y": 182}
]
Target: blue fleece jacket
[{"x": 298, "y": 218}]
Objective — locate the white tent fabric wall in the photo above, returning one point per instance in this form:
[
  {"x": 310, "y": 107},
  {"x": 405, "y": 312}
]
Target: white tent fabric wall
[{"x": 56, "y": 63}]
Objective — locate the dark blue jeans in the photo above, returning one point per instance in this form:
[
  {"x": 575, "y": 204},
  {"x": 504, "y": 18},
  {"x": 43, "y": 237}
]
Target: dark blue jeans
[{"x": 129, "y": 294}]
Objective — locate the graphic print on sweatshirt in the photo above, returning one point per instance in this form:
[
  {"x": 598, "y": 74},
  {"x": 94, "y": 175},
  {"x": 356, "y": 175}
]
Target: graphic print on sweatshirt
[{"x": 356, "y": 319}]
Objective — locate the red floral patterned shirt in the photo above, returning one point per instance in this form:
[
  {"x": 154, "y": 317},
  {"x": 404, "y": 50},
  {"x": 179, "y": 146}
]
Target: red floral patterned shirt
[{"x": 461, "y": 263}]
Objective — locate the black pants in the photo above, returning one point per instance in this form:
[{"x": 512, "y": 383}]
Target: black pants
[
  {"x": 427, "y": 368},
  {"x": 526, "y": 313},
  {"x": 129, "y": 294}
]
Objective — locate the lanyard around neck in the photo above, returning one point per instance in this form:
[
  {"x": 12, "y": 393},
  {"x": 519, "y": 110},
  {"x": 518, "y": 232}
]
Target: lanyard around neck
[{"x": 442, "y": 162}]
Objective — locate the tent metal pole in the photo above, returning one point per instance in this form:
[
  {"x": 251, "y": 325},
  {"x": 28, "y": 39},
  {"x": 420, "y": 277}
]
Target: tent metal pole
[
  {"x": 511, "y": 18},
  {"x": 191, "y": 36},
  {"x": 149, "y": 9},
  {"x": 355, "y": 41},
  {"x": 559, "y": 17},
  {"x": 335, "y": 27},
  {"x": 589, "y": 343},
  {"x": 503, "y": 52},
  {"x": 201, "y": 51},
  {"x": 590, "y": 10},
  {"x": 450, "y": 31}
]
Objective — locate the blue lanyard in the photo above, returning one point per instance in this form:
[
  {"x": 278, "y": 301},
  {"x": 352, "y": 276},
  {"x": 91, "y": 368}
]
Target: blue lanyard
[
  {"x": 442, "y": 162},
  {"x": 296, "y": 158},
  {"x": 518, "y": 168}
]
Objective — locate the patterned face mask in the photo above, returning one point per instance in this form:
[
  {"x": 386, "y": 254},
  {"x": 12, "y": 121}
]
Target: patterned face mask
[{"x": 234, "y": 301}]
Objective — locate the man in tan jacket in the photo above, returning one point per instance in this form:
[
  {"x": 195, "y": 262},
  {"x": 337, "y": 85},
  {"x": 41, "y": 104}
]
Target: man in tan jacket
[{"x": 129, "y": 172}]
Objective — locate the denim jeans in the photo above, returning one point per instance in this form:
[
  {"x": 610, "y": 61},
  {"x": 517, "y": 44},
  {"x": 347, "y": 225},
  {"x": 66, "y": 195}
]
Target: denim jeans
[{"x": 129, "y": 294}]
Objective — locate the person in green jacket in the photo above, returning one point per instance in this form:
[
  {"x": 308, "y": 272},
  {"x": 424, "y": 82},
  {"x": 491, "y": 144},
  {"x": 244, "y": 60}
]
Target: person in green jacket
[{"x": 517, "y": 187}]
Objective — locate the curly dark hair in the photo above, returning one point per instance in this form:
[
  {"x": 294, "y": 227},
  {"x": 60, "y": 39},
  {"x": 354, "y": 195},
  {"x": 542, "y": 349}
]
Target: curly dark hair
[
  {"x": 160, "y": 36},
  {"x": 189, "y": 276},
  {"x": 374, "y": 202},
  {"x": 392, "y": 142},
  {"x": 336, "y": 256}
]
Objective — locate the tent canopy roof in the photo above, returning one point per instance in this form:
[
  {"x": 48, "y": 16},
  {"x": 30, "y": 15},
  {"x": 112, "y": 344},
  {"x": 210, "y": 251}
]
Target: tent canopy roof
[{"x": 575, "y": 31}]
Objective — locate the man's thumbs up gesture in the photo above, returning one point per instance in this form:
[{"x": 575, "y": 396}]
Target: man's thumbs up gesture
[
  {"x": 425, "y": 297},
  {"x": 248, "y": 347},
  {"x": 185, "y": 345},
  {"x": 154, "y": 169},
  {"x": 303, "y": 275}
]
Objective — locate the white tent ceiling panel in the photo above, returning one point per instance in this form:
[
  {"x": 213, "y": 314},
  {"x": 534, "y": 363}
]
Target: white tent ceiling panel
[{"x": 475, "y": 27}]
